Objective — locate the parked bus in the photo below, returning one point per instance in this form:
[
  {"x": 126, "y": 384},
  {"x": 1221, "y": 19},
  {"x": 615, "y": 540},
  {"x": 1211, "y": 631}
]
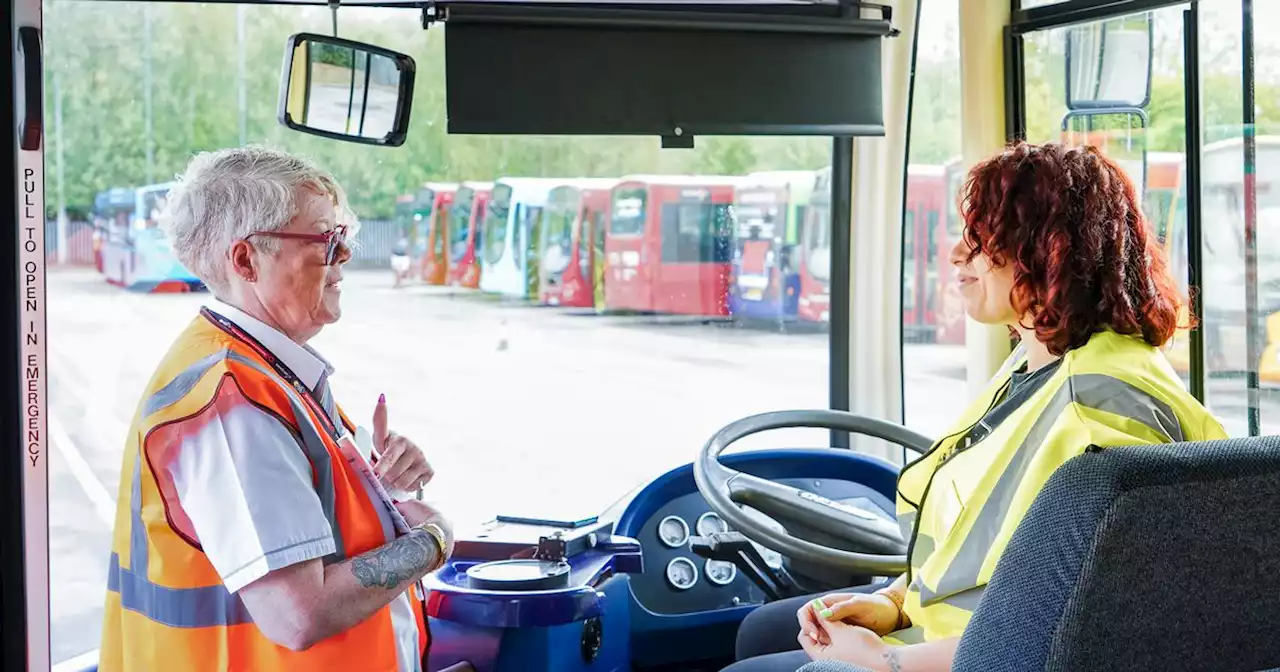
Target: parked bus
[
  {"x": 112, "y": 216},
  {"x": 814, "y": 304},
  {"x": 138, "y": 256},
  {"x": 949, "y": 315},
  {"x": 433, "y": 203},
  {"x": 1223, "y": 254},
  {"x": 925, "y": 248},
  {"x": 512, "y": 227},
  {"x": 769, "y": 212},
  {"x": 668, "y": 245},
  {"x": 465, "y": 233},
  {"x": 573, "y": 244}
]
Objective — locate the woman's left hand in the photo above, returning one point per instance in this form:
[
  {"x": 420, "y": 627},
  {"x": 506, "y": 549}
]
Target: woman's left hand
[
  {"x": 401, "y": 463},
  {"x": 835, "y": 640}
]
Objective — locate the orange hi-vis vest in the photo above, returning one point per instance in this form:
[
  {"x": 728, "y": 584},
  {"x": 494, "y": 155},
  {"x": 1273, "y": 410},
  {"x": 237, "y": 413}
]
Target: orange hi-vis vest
[{"x": 166, "y": 606}]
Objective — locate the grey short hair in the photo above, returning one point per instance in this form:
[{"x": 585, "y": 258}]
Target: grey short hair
[{"x": 227, "y": 195}]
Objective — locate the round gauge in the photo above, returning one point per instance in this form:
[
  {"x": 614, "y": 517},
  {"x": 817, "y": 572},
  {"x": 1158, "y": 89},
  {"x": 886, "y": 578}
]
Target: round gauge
[
  {"x": 682, "y": 573},
  {"x": 710, "y": 523},
  {"x": 720, "y": 572},
  {"x": 673, "y": 531}
]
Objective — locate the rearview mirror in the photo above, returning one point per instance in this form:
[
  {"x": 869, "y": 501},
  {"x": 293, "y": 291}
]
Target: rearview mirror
[
  {"x": 1109, "y": 63},
  {"x": 346, "y": 90}
]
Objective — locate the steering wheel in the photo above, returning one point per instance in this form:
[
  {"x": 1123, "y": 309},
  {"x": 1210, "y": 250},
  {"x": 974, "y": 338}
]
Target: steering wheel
[{"x": 726, "y": 489}]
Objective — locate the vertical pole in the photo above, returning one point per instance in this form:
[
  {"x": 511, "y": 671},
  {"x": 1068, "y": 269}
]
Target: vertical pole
[
  {"x": 841, "y": 266},
  {"x": 1194, "y": 121},
  {"x": 992, "y": 108},
  {"x": 146, "y": 95},
  {"x": 243, "y": 94},
  {"x": 1253, "y": 344}
]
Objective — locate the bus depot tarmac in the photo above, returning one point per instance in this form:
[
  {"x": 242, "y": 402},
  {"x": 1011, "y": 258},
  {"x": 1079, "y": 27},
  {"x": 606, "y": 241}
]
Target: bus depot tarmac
[{"x": 521, "y": 409}]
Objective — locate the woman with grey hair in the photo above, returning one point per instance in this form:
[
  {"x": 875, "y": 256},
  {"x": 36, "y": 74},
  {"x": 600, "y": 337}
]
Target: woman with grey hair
[{"x": 257, "y": 527}]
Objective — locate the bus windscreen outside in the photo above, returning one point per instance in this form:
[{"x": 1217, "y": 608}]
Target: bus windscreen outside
[
  {"x": 460, "y": 223},
  {"x": 152, "y": 205},
  {"x": 495, "y": 224},
  {"x": 817, "y": 242},
  {"x": 696, "y": 233},
  {"x": 628, "y": 213},
  {"x": 559, "y": 236}
]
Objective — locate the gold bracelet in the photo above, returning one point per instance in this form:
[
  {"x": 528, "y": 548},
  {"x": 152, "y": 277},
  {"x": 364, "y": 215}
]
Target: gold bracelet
[
  {"x": 437, "y": 534},
  {"x": 897, "y": 601}
]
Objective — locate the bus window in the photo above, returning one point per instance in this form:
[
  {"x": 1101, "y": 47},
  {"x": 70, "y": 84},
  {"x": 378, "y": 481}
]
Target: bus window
[
  {"x": 628, "y": 213},
  {"x": 931, "y": 222},
  {"x": 495, "y": 223}
]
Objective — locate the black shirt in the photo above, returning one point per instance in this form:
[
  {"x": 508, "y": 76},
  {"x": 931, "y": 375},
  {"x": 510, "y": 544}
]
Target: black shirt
[{"x": 1022, "y": 386}]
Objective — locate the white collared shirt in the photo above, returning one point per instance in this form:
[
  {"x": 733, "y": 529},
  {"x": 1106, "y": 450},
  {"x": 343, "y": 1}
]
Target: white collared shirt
[{"x": 245, "y": 484}]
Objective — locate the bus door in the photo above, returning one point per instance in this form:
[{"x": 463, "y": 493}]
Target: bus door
[
  {"x": 949, "y": 312},
  {"x": 695, "y": 239},
  {"x": 757, "y": 284},
  {"x": 921, "y": 253},
  {"x": 557, "y": 245},
  {"x": 512, "y": 228},
  {"x": 435, "y": 260},
  {"x": 814, "y": 304},
  {"x": 629, "y": 283},
  {"x": 112, "y": 211},
  {"x": 591, "y": 236},
  {"x": 574, "y": 216},
  {"x": 465, "y": 219}
]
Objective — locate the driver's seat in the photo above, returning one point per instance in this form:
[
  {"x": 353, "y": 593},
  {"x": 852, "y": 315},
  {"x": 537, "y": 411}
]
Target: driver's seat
[{"x": 1163, "y": 557}]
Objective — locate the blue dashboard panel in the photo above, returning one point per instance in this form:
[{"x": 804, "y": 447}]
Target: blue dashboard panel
[{"x": 669, "y": 623}]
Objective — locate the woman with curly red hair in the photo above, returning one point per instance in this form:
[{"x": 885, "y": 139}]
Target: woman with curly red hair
[{"x": 1056, "y": 248}]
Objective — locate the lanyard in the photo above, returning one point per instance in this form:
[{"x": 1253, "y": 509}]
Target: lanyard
[{"x": 280, "y": 368}]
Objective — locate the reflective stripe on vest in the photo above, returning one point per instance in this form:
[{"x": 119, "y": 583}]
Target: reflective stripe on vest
[
  {"x": 312, "y": 443},
  {"x": 166, "y": 607},
  {"x": 1114, "y": 391},
  {"x": 177, "y": 607},
  {"x": 211, "y": 605},
  {"x": 1096, "y": 391}
]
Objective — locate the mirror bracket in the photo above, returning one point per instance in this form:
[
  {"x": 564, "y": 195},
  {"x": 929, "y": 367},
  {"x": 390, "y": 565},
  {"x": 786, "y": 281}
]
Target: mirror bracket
[
  {"x": 677, "y": 141},
  {"x": 430, "y": 14}
]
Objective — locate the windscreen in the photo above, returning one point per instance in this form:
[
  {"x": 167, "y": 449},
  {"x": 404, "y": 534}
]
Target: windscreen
[
  {"x": 460, "y": 223},
  {"x": 696, "y": 232},
  {"x": 817, "y": 241},
  {"x": 557, "y": 227},
  {"x": 628, "y": 217},
  {"x": 495, "y": 224}
]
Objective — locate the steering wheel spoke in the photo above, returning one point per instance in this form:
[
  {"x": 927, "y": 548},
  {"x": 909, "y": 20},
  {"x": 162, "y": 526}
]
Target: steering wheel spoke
[
  {"x": 787, "y": 504},
  {"x": 880, "y": 549}
]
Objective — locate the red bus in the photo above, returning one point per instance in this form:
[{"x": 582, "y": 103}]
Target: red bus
[
  {"x": 925, "y": 249},
  {"x": 949, "y": 313},
  {"x": 466, "y": 232},
  {"x": 572, "y": 269},
  {"x": 669, "y": 246},
  {"x": 434, "y": 201},
  {"x": 815, "y": 256}
]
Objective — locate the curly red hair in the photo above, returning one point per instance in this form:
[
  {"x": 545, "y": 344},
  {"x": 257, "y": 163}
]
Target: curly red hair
[{"x": 1084, "y": 257}]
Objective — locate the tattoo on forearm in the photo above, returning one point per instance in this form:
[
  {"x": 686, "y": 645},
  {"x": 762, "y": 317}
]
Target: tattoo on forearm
[
  {"x": 891, "y": 657},
  {"x": 396, "y": 562}
]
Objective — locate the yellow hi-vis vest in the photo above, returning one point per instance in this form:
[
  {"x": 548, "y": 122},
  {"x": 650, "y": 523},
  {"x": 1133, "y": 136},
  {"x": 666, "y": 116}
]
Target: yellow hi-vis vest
[
  {"x": 959, "y": 508},
  {"x": 166, "y": 606}
]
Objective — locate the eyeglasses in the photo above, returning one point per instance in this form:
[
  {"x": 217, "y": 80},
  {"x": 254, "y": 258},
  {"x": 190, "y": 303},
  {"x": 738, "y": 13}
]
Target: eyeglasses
[{"x": 334, "y": 239}]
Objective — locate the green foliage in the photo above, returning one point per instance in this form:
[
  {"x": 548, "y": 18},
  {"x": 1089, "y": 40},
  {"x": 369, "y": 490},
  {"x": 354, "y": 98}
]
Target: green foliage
[{"x": 101, "y": 56}]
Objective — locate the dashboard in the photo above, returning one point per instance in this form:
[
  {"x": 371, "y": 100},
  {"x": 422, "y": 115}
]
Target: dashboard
[{"x": 676, "y": 581}]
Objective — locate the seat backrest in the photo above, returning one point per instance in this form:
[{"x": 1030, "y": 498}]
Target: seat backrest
[{"x": 1156, "y": 557}]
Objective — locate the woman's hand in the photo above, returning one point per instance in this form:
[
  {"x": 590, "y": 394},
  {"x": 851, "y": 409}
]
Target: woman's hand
[
  {"x": 875, "y": 612},
  {"x": 401, "y": 463},
  {"x": 834, "y": 640}
]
